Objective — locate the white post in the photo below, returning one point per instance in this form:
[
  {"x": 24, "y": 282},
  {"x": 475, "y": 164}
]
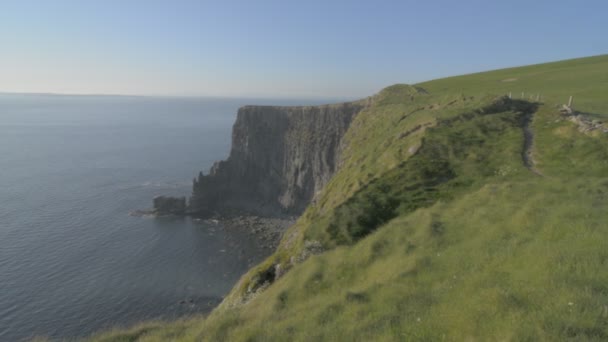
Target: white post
[
  {"x": 570, "y": 102},
  {"x": 522, "y": 95},
  {"x": 510, "y": 95}
]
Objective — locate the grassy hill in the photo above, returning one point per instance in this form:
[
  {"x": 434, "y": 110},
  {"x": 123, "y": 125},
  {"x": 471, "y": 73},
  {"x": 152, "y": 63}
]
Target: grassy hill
[{"x": 458, "y": 213}]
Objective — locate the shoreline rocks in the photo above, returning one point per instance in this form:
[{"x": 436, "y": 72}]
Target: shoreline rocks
[
  {"x": 267, "y": 229},
  {"x": 165, "y": 205}
]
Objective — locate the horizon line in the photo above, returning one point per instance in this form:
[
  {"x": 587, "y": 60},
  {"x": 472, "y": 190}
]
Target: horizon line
[
  {"x": 58, "y": 94},
  {"x": 270, "y": 97}
]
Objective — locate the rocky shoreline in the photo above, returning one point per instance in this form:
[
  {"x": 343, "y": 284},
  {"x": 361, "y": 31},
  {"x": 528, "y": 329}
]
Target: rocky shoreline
[{"x": 267, "y": 229}]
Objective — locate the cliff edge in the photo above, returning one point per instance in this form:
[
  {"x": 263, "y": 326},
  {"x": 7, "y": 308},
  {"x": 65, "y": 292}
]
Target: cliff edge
[{"x": 280, "y": 158}]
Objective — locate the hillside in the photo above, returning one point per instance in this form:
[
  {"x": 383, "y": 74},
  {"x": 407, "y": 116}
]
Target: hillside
[{"x": 457, "y": 213}]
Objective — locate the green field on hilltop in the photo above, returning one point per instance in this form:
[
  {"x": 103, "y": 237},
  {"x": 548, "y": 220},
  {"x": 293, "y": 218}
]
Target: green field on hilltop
[{"x": 434, "y": 228}]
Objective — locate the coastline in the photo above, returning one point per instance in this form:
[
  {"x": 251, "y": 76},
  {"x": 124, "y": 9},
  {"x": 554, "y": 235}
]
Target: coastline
[{"x": 268, "y": 229}]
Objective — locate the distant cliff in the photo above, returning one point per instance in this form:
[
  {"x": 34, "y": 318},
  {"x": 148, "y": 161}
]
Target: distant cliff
[{"x": 280, "y": 158}]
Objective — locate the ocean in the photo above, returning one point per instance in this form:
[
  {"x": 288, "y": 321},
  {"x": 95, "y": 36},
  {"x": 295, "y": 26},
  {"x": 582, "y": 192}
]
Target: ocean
[{"x": 72, "y": 259}]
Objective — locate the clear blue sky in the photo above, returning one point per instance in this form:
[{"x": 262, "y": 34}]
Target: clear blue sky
[{"x": 302, "y": 48}]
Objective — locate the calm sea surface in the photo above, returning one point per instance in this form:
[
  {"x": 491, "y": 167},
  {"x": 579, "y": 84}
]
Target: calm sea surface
[{"x": 72, "y": 261}]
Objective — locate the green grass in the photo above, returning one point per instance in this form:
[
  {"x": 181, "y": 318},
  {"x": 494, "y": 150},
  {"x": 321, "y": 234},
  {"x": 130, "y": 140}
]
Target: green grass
[{"x": 435, "y": 230}]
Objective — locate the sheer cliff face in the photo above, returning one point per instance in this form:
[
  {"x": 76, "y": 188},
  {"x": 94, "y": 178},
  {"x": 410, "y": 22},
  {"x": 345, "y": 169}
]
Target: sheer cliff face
[{"x": 280, "y": 158}]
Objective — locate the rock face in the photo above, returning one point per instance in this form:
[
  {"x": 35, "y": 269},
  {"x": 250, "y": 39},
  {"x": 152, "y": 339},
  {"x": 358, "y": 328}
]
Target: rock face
[
  {"x": 280, "y": 158},
  {"x": 164, "y": 205}
]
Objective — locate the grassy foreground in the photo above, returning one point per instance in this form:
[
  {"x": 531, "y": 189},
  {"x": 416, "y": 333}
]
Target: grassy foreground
[{"x": 435, "y": 229}]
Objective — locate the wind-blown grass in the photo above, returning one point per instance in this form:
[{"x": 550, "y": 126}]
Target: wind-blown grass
[{"x": 434, "y": 229}]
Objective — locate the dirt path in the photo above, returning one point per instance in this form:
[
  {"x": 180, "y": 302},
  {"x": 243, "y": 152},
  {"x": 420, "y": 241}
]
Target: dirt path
[{"x": 526, "y": 153}]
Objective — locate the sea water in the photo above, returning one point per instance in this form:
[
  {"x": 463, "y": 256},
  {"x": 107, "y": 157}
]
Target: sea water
[{"x": 72, "y": 259}]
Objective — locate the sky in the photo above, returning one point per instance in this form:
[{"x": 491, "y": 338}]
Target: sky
[{"x": 283, "y": 49}]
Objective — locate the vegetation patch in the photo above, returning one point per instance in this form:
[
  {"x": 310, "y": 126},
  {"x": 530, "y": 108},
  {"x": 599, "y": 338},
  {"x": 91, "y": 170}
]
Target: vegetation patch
[{"x": 456, "y": 241}]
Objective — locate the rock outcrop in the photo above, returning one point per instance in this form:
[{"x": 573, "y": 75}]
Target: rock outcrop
[
  {"x": 164, "y": 205},
  {"x": 280, "y": 158}
]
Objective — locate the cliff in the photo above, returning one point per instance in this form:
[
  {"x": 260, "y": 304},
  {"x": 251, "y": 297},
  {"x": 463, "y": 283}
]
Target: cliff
[
  {"x": 280, "y": 158},
  {"x": 467, "y": 242}
]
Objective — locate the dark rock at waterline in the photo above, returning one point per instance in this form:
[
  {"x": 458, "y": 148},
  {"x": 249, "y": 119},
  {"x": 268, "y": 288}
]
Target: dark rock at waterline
[
  {"x": 165, "y": 205},
  {"x": 268, "y": 230}
]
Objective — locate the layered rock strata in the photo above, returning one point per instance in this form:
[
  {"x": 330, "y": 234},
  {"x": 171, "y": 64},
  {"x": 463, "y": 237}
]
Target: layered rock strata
[{"x": 280, "y": 158}]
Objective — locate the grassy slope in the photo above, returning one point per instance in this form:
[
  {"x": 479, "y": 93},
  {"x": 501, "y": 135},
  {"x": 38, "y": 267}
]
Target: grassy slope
[{"x": 435, "y": 229}]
